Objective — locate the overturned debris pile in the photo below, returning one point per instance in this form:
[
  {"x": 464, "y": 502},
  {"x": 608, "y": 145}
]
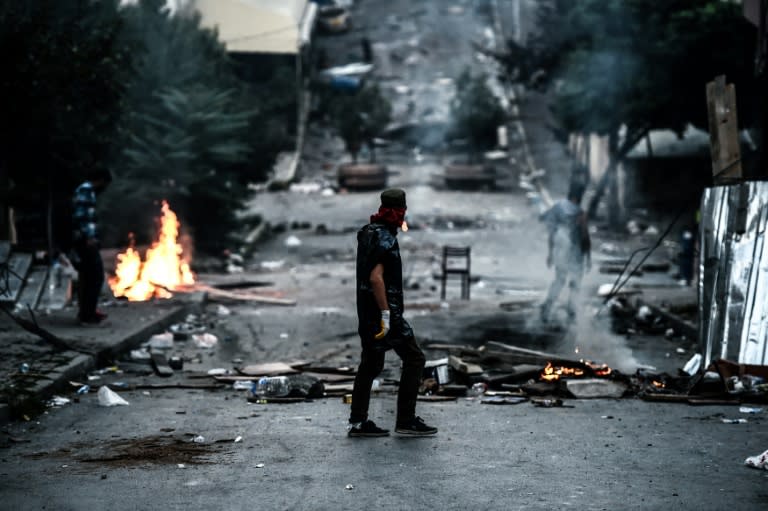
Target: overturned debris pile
[
  {"x": 723, "y": 382},
  {"x": 500, "y": 367}
]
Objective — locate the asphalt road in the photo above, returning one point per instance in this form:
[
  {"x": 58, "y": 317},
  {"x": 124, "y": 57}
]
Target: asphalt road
[{"x": 600, "y": 454}]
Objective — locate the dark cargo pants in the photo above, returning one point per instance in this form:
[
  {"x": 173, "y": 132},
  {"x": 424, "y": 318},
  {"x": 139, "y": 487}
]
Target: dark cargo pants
[{"x": 371, "y": 365}]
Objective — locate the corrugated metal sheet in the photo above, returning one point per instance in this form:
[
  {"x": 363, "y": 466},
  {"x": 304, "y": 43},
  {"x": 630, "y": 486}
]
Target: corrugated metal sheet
[{"x": 733, "y": 273}]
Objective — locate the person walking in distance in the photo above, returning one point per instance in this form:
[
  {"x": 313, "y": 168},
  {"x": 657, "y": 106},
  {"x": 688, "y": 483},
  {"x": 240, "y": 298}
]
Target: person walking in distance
[
  {"x": 380, "y": 322},
  {"x": 85, "y": 237},
  {"x": 568, "y": 248}
]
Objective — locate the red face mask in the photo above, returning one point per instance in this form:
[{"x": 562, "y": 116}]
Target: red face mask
[{"x": 389, "y": 216}]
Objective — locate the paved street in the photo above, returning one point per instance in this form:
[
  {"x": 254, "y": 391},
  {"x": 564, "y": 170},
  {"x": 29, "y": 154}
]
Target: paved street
[{"x": 594, "y": 453}]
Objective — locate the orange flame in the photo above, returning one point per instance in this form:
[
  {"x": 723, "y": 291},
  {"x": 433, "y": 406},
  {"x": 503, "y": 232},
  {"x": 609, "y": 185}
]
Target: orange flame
[
  {"x": 163, "y": 269},
  {"x": 658, "y": 384},
  {"x": 600, "y": 370},
  {"x": 553, "y": 373}
]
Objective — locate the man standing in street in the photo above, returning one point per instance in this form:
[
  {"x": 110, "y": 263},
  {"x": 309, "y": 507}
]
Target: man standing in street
[
  {"x": 568, "y": 248},
  {"x": 381, "y": 325},
  {"x": 85, "y": 237}
]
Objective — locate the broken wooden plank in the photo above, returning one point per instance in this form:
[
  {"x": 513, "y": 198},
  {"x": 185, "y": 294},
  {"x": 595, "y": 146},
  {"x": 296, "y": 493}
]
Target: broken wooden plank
[
  {"x": 330, "y": 377},
  {"x": 188, "y": 386},
  {"x": 344, "y": 370},
  {"x": 242, "y": 296},
  {"x": 275, "y": 400},
  {"x": 524, "y": 351},
  {"x": 503, "y": 393},
  {"x": 446, "y": 346},
  {"x": 723, "y": 130},
  {"x": 267, "y": 369},
  {"x": 228, "y": 378},
  {"x": 434, "y": 398},
  {"x": 464, "y": 367}
]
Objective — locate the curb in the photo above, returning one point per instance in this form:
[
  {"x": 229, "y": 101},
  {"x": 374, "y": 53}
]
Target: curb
[
  {"x": 80, "y": 363},
  {"x": 135, "y": 339}
]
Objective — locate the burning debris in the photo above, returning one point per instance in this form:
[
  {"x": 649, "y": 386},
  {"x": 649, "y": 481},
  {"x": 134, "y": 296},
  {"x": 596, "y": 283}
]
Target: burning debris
[{"x": 164, "y": 269}]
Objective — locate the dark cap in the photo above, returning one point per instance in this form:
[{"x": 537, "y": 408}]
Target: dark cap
[{"x": 393, "y": 198}]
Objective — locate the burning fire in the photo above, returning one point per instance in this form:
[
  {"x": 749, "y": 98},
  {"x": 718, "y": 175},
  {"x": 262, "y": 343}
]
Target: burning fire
[
  {"x": 552, "y": 373},
  {"x": 163, "y": 269},
  {"x": 600, "y": 370},
  {"x": 658, "y": 384}
]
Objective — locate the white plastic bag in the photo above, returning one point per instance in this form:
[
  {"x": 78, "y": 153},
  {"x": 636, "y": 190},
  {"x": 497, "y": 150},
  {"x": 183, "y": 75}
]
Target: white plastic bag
[
  {"x": 760, "y": 461},
  {"x": 205, "y": 341},
  {"x": 107, "y": 397}
]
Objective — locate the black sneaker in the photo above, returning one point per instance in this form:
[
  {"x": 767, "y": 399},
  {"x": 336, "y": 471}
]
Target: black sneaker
[
  {"x": 415, "y": 427},
  {"x": 367, "y": 429}
]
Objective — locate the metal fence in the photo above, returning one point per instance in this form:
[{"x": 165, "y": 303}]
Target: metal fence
[{"x": 733, "y": 273}]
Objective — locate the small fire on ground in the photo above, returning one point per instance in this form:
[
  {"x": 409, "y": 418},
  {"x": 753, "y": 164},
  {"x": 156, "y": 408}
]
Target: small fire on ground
[
  {"x": 555, "y": 372},
  {"x": 164, "y": 267}
]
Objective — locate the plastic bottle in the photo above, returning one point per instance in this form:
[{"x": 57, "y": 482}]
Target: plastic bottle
[
  {"x": 478, "y": 389},
  {"x": 275, "y": 386}
]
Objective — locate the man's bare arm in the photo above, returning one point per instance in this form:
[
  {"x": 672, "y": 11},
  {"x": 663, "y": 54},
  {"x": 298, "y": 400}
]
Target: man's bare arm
[{"x": 377, "y": 285}]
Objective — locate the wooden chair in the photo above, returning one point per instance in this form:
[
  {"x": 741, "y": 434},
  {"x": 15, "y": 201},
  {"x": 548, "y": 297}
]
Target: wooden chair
[{"x": 456, "y": 262}]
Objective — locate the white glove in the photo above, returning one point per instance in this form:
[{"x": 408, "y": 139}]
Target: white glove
[{"x": 384, "y": 326}]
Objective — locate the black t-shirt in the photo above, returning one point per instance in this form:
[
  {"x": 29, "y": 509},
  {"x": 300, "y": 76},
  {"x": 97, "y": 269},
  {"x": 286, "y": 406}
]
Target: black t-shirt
[{"x": 376, "y": 244}]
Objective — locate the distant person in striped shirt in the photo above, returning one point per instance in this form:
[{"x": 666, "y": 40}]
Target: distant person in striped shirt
[{"x": 86, "y": 245}]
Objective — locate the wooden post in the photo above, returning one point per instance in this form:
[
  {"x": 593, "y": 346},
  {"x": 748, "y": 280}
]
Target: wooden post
[{"x": 723, "y": 131}]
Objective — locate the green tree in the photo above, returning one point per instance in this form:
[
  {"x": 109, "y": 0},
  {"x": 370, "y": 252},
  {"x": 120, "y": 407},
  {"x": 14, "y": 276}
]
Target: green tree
[
  {"x": 359, "y": 118},
  {"x": 625, "y": 67},
  {"x": 476, "y": 113},
  {"x": 194, "y": 134},
  {"x": 66, "y": 66}
]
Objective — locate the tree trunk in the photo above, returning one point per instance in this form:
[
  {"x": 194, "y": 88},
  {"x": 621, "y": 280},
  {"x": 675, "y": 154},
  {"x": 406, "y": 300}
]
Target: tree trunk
[
  {"x": 610, "y": 179},
  {"x": 607, "y": 181},
  {"x": 604, "y": 182}
]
